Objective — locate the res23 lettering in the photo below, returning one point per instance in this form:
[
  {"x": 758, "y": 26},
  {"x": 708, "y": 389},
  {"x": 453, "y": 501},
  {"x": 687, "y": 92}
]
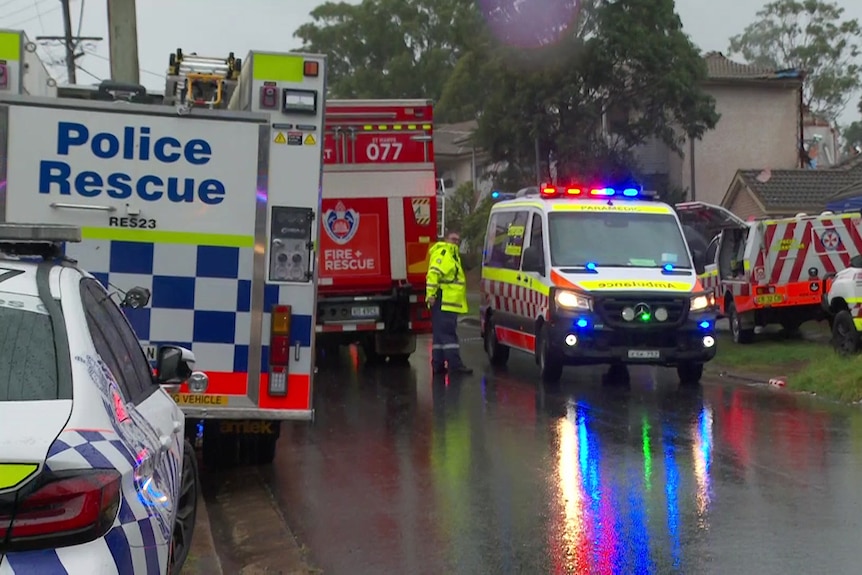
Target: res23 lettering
[{"x": 144, "y": 223}]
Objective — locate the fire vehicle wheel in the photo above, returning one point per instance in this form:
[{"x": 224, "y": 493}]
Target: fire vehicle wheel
[
  {"x": 187, "y": 510},
  {"x": 689, "y": 373},
  {"x": 740, "y": 335},
  {"x": 498, "y": 354},
  {"x": 845, "y": 338},
  {"x": 550, "y": 367}
]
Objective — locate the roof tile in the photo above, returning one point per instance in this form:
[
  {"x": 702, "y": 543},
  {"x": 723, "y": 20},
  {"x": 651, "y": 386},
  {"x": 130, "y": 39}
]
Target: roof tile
[
  {"x": 720, "y": 67},
  {"x": 793, "y": 190}
]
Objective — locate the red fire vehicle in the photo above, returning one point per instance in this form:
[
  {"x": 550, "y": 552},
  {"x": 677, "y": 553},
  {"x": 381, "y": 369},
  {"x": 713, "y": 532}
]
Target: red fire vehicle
[{"x": 378, "y": 219}]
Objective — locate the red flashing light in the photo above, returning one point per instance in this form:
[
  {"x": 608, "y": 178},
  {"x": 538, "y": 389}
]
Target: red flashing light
[
  {"x": 573, "y": 191},
  {"x": 310, "y": 68},
  {"x": 549, "y": 191}
]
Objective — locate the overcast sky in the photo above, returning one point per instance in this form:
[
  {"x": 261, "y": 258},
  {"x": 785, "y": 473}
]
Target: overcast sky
[{"x": 216, "y": 27}]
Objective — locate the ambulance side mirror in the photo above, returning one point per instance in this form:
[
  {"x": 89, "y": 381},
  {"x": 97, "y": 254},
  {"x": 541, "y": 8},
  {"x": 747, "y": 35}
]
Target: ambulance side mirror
[
  {"x": 534, "y": 260},
  {"x": 699, "y": 261},
  {"x": 856, "y": 262}
]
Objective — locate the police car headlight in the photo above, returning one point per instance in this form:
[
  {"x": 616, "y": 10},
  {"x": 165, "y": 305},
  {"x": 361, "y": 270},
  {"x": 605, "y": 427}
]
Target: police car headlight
[
  {"x": 572, "y": 300},
  {"x": 700, "y": 303}
]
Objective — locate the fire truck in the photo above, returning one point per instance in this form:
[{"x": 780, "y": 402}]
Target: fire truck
[
  {"x": 379, "y": 217},
  {"x": 203, "y": 204},
  {"x": 771, "y": 271}
]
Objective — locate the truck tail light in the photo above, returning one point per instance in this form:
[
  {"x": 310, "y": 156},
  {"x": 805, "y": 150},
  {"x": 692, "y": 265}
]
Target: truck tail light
[
  {"x": 764, "y": 290},
  {"x": 279, "y": 349},
  {"x": 72, "y": 509}
]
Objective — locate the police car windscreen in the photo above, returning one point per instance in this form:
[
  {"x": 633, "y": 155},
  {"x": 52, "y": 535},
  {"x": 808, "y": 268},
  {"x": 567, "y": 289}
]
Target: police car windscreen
[
  {"x": 624, "y": 239},
  {"x": 28, "y": 362}
]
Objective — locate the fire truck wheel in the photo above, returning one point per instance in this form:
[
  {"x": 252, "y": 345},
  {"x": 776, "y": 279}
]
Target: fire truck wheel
[
  {"x": 739, "y": 334},
  {"x": 689, "y": 373},
  {"x": 498, "y": 354},
  {"x": 550, "y": 367},
  {"x": 845, "y": 338},
  {"x": 371, "y": 355}
]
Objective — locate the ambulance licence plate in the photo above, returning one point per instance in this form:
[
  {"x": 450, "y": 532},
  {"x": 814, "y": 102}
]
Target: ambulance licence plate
[
  {"x": 768, "y": 299},
  {"x": 365, "y": 312},
  {"x": 644, "y": 354}
]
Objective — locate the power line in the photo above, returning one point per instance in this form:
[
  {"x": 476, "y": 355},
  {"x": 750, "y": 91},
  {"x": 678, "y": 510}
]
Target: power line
[
  {"x": 31, "y": 18},
  {"x": 100, "y": 57},
  {"x": 69, "y": 41},
  {"x": 26, "y": 8}
]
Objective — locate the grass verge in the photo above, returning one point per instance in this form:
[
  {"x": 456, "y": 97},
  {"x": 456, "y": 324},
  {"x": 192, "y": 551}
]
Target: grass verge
[{"x": 805, "y": 365}]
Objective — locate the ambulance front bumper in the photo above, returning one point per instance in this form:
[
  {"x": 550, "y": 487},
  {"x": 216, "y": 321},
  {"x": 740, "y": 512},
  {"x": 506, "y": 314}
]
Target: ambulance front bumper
[{"x": 586, "y": 338}]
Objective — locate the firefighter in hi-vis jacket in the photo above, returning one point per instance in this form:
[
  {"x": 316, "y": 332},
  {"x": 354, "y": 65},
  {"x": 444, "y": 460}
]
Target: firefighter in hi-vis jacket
[{"x": 446, "y": 295}]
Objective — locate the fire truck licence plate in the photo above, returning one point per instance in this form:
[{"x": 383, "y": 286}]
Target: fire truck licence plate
[
  {"x": 644, "y": 354},
  {"x": 365, "y": 312},
  {"x": 768, "y": 299}
]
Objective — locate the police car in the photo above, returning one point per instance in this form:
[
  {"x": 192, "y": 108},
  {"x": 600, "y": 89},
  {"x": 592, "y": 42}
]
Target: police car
[
  {"x": 96, "y": 476},
  {"x": 593, "y": 275}
]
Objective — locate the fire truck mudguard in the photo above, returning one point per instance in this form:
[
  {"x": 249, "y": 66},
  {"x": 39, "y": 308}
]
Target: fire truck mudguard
[{"x": 208, "y": 204}]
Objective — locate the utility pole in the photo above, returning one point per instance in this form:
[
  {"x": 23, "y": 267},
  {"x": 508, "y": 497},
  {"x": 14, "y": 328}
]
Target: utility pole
[
  {"x": 70, "y": 42},
  {"x": 123, "y": 38}
]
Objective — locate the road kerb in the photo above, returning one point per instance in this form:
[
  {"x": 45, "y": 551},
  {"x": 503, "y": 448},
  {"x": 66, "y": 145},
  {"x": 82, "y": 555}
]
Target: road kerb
[{"x": 203, "y": 558}]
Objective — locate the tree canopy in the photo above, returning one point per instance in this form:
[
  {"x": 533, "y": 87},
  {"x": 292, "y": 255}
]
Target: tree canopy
[
  {"x": 582, "y": 84},
  {"x": 810, "y": 35}
]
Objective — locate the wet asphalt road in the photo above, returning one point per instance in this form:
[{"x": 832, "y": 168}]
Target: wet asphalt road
[{"x": 493, "y": 473}]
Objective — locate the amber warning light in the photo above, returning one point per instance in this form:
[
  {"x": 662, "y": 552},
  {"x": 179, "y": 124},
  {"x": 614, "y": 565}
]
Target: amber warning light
[{"x": 311, "y": 68}]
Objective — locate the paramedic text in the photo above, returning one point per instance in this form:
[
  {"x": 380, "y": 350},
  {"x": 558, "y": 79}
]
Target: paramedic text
[{"x": 133, "y": 144}]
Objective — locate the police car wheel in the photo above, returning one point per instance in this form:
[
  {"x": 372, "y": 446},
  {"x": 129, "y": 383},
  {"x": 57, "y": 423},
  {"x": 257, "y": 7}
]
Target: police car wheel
[
  {"x": 550, "y": 367},
  {"x": 845, "y": 338},
  {"x": 187, "y": 508},
  {"x": 498, "y": 354}
]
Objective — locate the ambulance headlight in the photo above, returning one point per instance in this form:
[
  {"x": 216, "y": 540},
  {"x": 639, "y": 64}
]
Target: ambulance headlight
[
  {"x": 571, "y": 300},
  {"x": 701, "y": 302}
]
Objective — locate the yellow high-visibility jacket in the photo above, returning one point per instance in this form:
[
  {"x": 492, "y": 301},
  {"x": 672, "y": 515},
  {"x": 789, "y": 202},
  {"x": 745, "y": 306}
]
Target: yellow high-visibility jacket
[{"x": 446, "y": 275}]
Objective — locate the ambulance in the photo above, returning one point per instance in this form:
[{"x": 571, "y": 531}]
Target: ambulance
[
  {"x": 380, "y": 216},
  {"x": 593, "y": 275},
  {"x": 195, "y": 202},
  {"x": 773, "y": 270}
]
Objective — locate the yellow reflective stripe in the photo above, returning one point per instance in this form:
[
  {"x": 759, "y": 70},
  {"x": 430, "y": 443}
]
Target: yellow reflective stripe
[
  {"x": 14, "y": 474},
  {"x": 511, "y": 277},
  {"x": 853, "y": 300},
  {"x": 599, "y": 206},
  {"x": 165, "y": 237},
  {"x": 746, "y": 265},
  {"x": 521, "y": 204},
  {"x": 10, "y": 46},
  {"x": 651, "y": 285},
  {"x": 857, "y": 321},
  {"x": 278, "y": 67}
]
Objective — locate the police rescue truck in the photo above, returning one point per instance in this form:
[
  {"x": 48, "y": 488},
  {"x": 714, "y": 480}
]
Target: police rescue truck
[
  {"x": 583, "y": 275},
  {"x": 201, "y": 203},
  {"x": 379, "y": 219}
]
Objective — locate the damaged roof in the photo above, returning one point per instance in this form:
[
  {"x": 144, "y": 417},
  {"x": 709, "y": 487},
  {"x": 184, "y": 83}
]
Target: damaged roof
[{"x": 720, "y": 67}]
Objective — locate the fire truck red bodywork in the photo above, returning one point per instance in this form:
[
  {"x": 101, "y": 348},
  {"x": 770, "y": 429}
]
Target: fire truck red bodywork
[{"x": 379, "y": 217}]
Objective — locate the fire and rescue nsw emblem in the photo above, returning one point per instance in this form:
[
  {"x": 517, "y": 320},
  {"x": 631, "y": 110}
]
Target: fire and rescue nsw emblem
[{"x": 341, "y": 224}]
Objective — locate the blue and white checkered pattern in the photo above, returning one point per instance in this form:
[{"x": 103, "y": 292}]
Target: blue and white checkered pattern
[
  {"x": 201, "y": 297},
  {"x": 133, "y": 544}
]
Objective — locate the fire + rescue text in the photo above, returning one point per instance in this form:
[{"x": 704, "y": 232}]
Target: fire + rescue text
[
  {"x": 134, "y": 144},
  {"x": 346, "y": 260}
]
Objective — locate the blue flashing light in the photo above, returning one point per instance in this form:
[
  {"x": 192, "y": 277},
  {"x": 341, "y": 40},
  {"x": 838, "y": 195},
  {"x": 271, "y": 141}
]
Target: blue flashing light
[
  {"x": 591, "y": 266},
  {"x": 705, "y": 325},
  {"x": 668, "y": 267},
  {"x": 582, "y": 323},
  {"x": 495, "y": 194},
  {"x": 602, "y": 192},
  {"x": 630, "y": 193}
]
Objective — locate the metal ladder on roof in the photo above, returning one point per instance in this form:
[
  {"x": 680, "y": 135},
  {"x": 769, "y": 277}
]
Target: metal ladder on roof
[{"x": 201, "y": 81}]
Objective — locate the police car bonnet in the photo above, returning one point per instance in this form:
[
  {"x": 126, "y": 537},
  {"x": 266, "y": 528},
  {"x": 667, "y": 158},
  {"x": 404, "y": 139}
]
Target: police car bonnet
[{"x": 140, "y": 150}]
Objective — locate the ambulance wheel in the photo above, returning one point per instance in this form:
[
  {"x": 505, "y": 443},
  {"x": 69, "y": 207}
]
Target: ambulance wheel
[
  {"x": 845, "y": 338},
  {"x": 689, "y": 373},
  {"x": 498, "y": 354},
  {"x": 550, "y": 367},
  {"x": 739, "y": 334}
]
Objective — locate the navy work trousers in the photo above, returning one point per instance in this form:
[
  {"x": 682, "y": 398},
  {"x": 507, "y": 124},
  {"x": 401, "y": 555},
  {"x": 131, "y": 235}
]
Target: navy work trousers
[{"x": 445, "y": 348}]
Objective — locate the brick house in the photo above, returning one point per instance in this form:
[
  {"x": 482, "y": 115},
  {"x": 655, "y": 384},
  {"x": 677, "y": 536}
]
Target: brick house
[
  {"x": 759, "y": 126},
  {"x": 776, "y": 193}
]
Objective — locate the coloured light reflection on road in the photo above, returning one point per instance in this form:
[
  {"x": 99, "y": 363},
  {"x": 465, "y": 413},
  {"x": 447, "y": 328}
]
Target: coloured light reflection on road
[
  {"x": 587, "y": 539},
  {"x": 702, "y": 455}
]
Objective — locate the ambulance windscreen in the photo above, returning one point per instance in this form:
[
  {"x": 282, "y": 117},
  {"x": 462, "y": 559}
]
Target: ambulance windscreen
[{"x": 621, "y": 239}]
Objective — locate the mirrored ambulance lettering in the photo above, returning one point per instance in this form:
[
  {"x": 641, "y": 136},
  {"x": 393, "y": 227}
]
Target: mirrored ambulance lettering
[{"x": 136, "y": 145}]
